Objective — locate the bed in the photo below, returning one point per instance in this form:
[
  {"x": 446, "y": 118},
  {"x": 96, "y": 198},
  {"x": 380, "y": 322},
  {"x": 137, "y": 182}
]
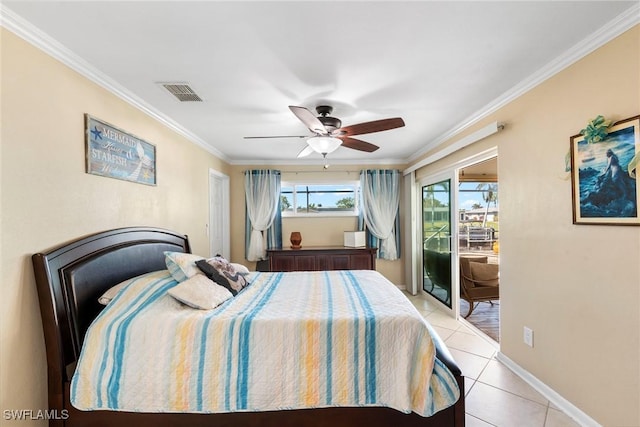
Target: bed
[{"x": 70, "y": 279}]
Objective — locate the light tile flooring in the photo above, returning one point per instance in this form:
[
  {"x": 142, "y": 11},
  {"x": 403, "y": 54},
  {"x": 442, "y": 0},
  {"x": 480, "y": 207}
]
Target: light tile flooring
[{"x": 495, "y": 396}]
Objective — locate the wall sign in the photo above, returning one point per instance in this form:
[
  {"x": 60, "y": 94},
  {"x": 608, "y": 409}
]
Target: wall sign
[{"x": 117, "y": 154}]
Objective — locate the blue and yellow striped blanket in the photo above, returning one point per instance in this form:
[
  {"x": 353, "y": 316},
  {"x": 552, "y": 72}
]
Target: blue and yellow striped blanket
[{"x": 288, "y": 341}]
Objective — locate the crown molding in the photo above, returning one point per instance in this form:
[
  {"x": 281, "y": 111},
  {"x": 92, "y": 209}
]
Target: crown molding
[
  {"x": 600, "y": 37},
  {"x": 39, "y": 39}
]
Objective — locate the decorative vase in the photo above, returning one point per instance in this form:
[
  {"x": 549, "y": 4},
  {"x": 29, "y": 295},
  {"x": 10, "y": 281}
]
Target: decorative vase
[{"x": 296, "y": 239}]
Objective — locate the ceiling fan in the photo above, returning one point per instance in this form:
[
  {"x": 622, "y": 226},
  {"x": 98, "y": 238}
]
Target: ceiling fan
[{"x": 329, "y": 133}]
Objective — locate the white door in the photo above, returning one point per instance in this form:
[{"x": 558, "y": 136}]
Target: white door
[{"x": 219, "y": 214}]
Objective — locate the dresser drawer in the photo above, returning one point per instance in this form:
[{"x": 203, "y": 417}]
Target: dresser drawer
[{"x": 322, "y": 258}]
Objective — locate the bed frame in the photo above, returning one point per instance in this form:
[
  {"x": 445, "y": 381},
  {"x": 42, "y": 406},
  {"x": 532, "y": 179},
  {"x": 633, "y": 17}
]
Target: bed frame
[{"x": 70, "y": 279}]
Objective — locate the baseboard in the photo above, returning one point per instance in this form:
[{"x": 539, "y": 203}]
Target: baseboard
[{"x": 556, "y": 399}]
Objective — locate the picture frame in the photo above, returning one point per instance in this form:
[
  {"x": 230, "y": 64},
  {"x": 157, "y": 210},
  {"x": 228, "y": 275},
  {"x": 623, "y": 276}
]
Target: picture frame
[
  {"x": 603, "y": 190},
  {"x": 114, "y": 153}
]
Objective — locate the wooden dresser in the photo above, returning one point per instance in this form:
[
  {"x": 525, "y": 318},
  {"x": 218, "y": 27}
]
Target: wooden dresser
[{"x": 315, "y": 258}]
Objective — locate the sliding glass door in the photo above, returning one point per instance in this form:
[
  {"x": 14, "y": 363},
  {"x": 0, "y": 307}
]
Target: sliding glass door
[{"x": 437, "y": 248}]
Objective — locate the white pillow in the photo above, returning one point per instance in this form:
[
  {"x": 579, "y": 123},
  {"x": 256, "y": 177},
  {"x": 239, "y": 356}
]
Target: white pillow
[
  {"x": 139, "y": 282},
  {"x": 200, "y": 292},
  {"x": 112, "y": 292},
  {"x": 240, "y": 268},
  {"x": 182, "y": 266}
]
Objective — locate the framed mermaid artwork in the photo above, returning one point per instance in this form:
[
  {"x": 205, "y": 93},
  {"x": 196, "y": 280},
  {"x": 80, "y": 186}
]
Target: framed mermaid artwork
[
  {"x": 604, "y": 173},
  {"x": 114, "y": 153}
]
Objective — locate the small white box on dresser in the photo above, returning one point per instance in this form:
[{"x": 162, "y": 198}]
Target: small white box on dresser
[{"x": 354, "y": 239}]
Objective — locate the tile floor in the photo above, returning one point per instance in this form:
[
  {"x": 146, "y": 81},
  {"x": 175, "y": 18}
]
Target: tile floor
[{"x": 495, "y": 396}]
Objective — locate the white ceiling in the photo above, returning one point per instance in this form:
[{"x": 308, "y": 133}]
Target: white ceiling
[{"x": 438, "y": 65}]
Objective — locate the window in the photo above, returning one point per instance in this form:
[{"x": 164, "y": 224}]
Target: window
[{"x": 304, "y": 199}]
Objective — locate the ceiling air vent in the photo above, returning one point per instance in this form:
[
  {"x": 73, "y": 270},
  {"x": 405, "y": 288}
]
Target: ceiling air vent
[{"x": 182, "y": 91}]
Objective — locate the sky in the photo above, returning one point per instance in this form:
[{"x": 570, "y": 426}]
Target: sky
[{"x": 467, "y": 199}]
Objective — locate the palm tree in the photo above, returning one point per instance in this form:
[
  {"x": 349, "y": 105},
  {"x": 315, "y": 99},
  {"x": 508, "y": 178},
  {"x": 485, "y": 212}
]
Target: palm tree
[{"x": 489, "y": 194}]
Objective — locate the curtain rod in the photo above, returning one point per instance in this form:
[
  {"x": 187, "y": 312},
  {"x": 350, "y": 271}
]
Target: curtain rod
[{"x": 326, "y": 170}]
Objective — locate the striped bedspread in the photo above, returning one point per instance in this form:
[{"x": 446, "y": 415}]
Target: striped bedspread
[{"x": 288, "y": 341}]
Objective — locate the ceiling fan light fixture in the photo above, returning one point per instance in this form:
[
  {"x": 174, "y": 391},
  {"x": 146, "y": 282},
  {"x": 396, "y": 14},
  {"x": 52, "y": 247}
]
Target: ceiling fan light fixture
[{"x": 324, "y": 144}]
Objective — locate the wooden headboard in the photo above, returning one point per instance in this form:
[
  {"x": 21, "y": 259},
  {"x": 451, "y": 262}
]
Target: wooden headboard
[{"x": 70, "y": 278}]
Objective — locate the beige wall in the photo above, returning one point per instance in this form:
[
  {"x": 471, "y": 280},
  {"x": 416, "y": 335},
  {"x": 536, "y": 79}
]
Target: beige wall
[
  {"x": 47, "y": 198},
  {"x": 324, "y": 231},
  {"x": 576, "y": 286}
]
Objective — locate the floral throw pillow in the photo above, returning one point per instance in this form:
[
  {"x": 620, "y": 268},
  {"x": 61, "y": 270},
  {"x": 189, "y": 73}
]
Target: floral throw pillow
[{"x": 223, "y": 273}]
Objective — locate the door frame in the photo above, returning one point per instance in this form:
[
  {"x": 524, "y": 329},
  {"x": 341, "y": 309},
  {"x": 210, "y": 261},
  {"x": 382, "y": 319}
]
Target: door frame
[
  {"x": 450, "y": 172},
  {"x": 469, "y": 161},
  {"x": 219, "y": 177}
]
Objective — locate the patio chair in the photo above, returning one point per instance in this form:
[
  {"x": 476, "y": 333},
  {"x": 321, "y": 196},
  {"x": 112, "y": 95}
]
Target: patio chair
[{"x": 479, "y": 281}]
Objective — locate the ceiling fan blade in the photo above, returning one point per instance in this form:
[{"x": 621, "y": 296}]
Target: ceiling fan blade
[
  {"x": 278, "y": 136},
  {"x": 309, "y": 119},
  {"x": 357, "y": 144},
  {"x": 305, "y": 151},
  {"x": 371, "y": 127}
]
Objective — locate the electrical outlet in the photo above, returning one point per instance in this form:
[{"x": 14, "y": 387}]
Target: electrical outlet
[{"x": 528, "y": 336}]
